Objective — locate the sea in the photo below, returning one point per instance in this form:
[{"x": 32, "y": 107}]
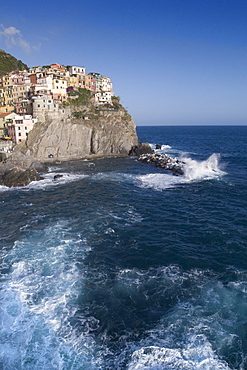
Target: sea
[{"x": 119, "y": 264}]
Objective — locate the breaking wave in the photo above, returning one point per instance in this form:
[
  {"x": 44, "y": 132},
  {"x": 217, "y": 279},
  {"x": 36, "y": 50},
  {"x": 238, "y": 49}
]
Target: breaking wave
[{"x": 194, "y": 171}]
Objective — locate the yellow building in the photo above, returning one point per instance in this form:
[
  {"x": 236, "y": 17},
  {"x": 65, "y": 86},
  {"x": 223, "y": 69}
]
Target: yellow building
[{"x": 6, "y": 99}]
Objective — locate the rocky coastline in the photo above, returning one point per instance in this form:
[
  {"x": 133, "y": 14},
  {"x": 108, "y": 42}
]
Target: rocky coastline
[{"x": 20, "y": 169}]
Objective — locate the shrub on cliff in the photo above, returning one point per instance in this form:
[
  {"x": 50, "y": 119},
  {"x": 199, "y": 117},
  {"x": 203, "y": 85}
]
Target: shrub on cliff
[{"x": 82, "y": 97}]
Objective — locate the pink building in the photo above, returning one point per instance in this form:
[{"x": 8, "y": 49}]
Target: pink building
[{"x": 19, "y": 128}]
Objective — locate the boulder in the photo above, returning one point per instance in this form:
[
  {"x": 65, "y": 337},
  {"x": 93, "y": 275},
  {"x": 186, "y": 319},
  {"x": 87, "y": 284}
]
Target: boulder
[
  {"x": 20, "y": 169},
  {"x": 57, "y": 177},
  {"x": 19, "y": 177},
  {"x": 141, "y": 148},
  {"x": 24, "y": 161}
]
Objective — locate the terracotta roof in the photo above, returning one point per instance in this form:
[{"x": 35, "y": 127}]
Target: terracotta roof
[{"x": 5, "y": 114}]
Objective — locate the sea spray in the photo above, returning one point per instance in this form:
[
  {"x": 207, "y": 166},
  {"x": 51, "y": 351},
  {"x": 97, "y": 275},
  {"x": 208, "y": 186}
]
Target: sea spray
[{"x": 201, "y": 170}]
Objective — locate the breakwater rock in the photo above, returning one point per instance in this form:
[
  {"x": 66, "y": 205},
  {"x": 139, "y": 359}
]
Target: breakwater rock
[{"x": 164, "y": 161}]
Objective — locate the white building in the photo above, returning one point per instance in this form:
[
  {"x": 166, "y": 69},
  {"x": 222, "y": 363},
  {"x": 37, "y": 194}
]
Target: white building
[
  {"x": 45, "y": 81},
  {"x": 77, "y": 70},
  {"x": 107, "y": 84},
  {"x": 103, "y": 97}
]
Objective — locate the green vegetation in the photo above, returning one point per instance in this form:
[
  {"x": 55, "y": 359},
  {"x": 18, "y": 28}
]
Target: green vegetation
[
  {"x": 81, "y": 97},
  {"x": 79, "y": 114},
  {"x": 9, "y": 63},
  {"x": 116, "y": 102}
]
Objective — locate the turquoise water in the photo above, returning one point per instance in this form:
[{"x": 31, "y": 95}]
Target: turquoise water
[{"x": 121, "y": 265}]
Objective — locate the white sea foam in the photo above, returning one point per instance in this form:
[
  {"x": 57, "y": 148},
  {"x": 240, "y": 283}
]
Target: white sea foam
[
  {"x": 191, "y": 358},
  {"x": 38, "y": 300},
  {"x": 48, "y": 181},
  {"x": 204, "y": 323},
  {"x": 201, "y": 170},
  {"x": 165, "y": 147},
  {"x": 194, "y": 171}
]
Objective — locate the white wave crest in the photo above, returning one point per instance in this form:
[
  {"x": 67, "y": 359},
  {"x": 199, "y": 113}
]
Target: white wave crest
[
  {"x": 164, "y": 147},
  {"x": 201, "y": 170},
  {"x": 194, "y": 171},
  {"x": 153, "y": 357},
  {"x": 48, "y": 181}
]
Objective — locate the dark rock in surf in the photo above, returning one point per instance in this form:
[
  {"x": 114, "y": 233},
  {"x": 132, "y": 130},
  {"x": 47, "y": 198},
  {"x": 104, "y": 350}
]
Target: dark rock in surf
[
  {"x": 20, "y": 169},
  {"x": 141, "y": 148},
  {"x": 57, "y": 177},
  {"x": 19, "y": 177}
]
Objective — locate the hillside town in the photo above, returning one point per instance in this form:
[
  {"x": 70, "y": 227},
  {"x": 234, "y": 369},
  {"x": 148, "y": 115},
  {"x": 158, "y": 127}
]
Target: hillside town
[{"x": 26, "y": 96}]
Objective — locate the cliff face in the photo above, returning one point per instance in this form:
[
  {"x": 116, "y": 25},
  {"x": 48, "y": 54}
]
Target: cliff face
[{"x": 65, "y": 137}]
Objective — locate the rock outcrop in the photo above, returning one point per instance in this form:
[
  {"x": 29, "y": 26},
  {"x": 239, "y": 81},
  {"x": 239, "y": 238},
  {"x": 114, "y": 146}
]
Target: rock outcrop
[
  {"x": 19, "y": 177},
  {"x": 94, "y": 134},
  {"x": 141, "y": 148},
  {"x": 20, "y": 170},
  {"x": 75, "y": 131}
]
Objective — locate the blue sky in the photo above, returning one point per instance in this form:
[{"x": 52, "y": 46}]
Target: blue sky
[{"x": 172, "y": 62}]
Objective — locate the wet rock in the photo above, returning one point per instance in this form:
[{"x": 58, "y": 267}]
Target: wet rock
[
  {"x": 24, "y": 161},
  {"x": 164, "y": 161},
  {"x": 57, "y": 177},
  {"x": 19, "y": 177},
  {"x": 141, "y": 148},
  {"x": 20, "y": 169}
]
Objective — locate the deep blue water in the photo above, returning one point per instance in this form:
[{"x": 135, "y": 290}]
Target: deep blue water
[{"x": 120, "y": 265}]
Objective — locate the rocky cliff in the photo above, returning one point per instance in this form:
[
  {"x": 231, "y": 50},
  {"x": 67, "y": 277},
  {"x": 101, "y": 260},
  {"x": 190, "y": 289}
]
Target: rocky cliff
[{"x": 73, "y": 134}]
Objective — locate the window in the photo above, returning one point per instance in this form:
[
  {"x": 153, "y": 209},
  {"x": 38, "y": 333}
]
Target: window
[
  {"x": 19, "y": 134},
  {"x": 25, "y": 127}
]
